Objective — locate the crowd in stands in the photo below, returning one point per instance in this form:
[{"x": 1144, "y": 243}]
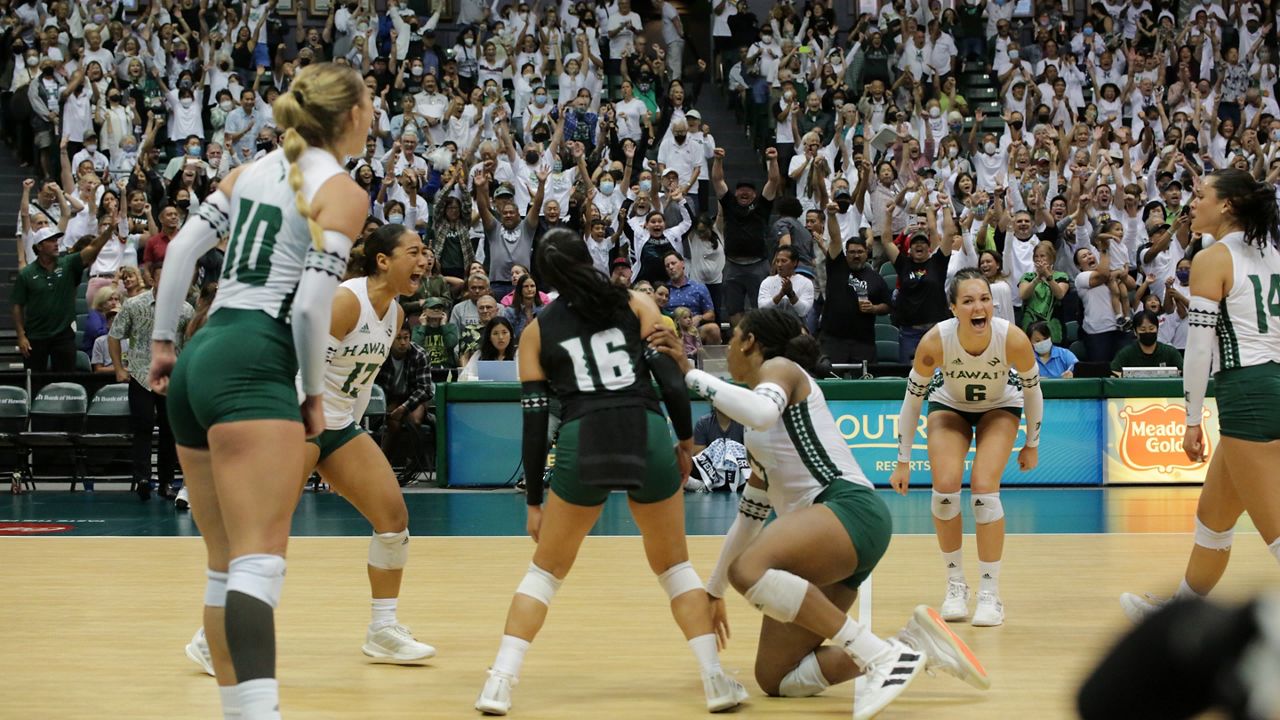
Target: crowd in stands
[{"x": 1057, "y": 150}]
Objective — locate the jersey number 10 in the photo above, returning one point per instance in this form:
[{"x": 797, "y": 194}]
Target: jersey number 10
[
  {"x": 1272, "y": 305},
  {"x": 604, "y": 365}
]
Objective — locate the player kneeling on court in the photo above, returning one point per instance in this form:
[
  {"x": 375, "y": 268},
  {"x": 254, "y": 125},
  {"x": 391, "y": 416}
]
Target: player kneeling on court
[{"x": 801, "y": 467}]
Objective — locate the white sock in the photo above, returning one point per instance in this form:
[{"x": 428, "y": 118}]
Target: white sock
[
  {"x": 859, "y": 642},
  {"x": 259, "y": 699},
  {"x": 955, "y": 564},
  {"x": 1275, "y": 549},
  {"x": 1185, "y": 592},
  {"x": 708, "y": 655},
  {"x": 511, "y": 655},
  {"x": 230, "y": 701},
  {"x": 989, "y": 572},
  {"x": 384, "y": 613}
]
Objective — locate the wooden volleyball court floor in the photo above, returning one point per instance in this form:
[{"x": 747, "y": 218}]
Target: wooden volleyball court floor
[{"x": 100, "y": 594}]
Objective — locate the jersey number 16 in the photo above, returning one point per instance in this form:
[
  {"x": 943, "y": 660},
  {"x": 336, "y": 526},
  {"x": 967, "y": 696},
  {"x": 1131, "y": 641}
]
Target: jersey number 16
[{"x": 604, "y": 364}]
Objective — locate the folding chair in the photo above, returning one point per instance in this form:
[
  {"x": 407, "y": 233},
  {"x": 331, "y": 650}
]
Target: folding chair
[
  {"x": 14, "y": 410},
  {"x": 107, "y": 441},
  {"x": 57, "y": 417}
]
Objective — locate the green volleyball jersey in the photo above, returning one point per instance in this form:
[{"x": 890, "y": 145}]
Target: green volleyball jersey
[{"x": 1249, "y": 319}]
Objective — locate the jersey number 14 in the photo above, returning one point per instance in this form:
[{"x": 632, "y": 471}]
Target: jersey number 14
[
  {"x": 602, "y": 364},
  {"x": 1272, "y": 305}
]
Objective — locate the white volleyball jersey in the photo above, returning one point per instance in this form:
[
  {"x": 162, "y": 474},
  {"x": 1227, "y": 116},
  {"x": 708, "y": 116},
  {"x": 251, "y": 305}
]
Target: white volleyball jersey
[
  {"x": 349, "y": 373},
  {"x": 802, "y": 454},
  {"x": 269, "y": 238},
  {"x": 975, "y": 383},
  {"x": 1249, "y": 319}
]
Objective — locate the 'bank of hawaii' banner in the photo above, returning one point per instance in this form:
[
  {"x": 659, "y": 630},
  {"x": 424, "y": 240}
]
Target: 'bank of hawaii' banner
[
  {"x": 1144, "y": 441},
  {"x": 484, "y": 443}
]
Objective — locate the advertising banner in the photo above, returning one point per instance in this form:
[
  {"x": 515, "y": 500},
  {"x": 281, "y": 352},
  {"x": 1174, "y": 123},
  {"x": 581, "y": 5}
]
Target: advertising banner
[
  {"x": 484, "y": 443},
  {"x": 1144, "y": 441}
]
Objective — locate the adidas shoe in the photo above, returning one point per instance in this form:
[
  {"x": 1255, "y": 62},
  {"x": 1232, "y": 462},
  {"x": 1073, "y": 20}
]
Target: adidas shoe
[
  {"x": 955, "y": 606},
  {"x": 927, "y": 632},
  {"x": 495, "y": 698},
  {"x": 198, "y": 651},
  {"x": 723, "y": 692},
  {"x": 990, "y": 611},
  {"x": 394, "y": 644},
  {"x": 888, "y": 675},
  {"x": 1139, "y": 607}
]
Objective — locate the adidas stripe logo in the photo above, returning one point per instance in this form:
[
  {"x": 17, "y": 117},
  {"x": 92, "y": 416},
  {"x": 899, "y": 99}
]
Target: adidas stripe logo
[
  {"x": 364, "y": 328},
  {"x": 977, "y": 502},
  {"x": 946, "y": 501}
]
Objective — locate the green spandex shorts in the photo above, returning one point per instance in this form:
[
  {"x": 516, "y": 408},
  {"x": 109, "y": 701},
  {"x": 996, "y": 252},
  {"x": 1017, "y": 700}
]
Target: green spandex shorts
[
  {"x": 1249, "y": 402},
  {"x": 240, "y": 366},
  {"x": 330, "y": 441},
  {"x": 970, "y": 416},
  {"x": 866, "y": 518},
  {"x": 663, "y": 478}
]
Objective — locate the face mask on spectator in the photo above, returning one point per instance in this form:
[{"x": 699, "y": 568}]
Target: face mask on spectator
[
  {"x": 1147, "y": 338},
  {"x": 264, "y": 145},
  {"x": 1183, "y": 276},
  {"x": 1043, "y": 119},
  {"x": 539, "y": 100},
  {"x": 128, "y": 148},
  {"x": 1016, "y": 124},
  {"x": 1013, "y": 54},
  {"x": 46, "y": 71},
  {"x": 396, "y": 218},
  {"x": 193, "y": 150},
  {"x": 32, "y": 61},
  {"x": 646, "y": 186},
  {"x": 1042, "y": 347},
  {"x": 531, "y": 157},
  {"x": 416, "y": 70},
  {"x": 468, "y": 41},
  {"x": 956, "y": 128},
  {"x": 953, "y": 152},
  {"x": 989, "y": 148},
  {"x": 542, "y": 137},
  {"x": 227, "y": 106},
  {"x": 182, "y": 204},
  {"x": 606, "y": 187},
  {"x": 186, "y": 102},
  {"x": 91, "y": 148},
  {"x": 180, "y": 55},
  {"x": 935, "y": 112},
  {"x": 1088, "y": 32}
]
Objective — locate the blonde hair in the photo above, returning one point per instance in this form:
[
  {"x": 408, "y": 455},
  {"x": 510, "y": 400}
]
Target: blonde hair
[
  {"x": 102, "y": 297},
  {"x": 313, "y": 113},
  {"x": 679, "y": 315}
]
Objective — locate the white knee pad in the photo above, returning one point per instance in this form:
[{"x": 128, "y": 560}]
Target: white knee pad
[
  {"x": 806, "y": 680},
  {"x": 258, "y": 576},
  {"x": 539, "y": 585},
  {"x": 215, "y": 588},
  {"x": 389, "y": 551},
  {"x": 1212, "y": 539},
  {"x": 680, "y": 579},
  {"x": 987, "y": 508},
  {"x": 779, "y": 594},
  {"x": 945, "y": 506}
]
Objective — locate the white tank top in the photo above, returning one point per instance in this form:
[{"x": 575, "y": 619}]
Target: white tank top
[
  {"x": 350, "y": 373},
  {"x": 975, "y": 383},
  {"x": 269, "y": 238},
  {"x": 802, "y": 454},
  {"x": 1249, "y": 323}
]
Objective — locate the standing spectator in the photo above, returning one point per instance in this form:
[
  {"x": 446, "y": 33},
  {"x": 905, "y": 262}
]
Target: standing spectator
[
  {"x": 508, "y": 240},
  {"x": 44, "y": 300},
  {"x": 922, "y": 277},
  {"x": 785, "y": 289},
  {"x": 146, "y": 407},
  {"x": 856, "y": 295},
  {"x": 405, "y": 378},
  {"x": 153, "y": 254},
  {"x": 1099, "y": 331},
  {"x": 746, "y": 227},
  {"x": 1042, "y": 290},
  {"x": 439, "y": 339},
  {"x": 688, "y": 293}
]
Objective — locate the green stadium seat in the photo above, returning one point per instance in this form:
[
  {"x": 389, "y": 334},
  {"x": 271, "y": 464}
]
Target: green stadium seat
[
  {"x": 1071, "y": 332},
  {"x": 886, "y": 332},
  {"x": 57, "y": 417},
  {"x": 887, "y": 351},
  {"x": 82, "y": 362},
  {"x": 1077, "y": 349},
  {"x": 14, "y": 409},
  {"x": 107, "y": 440},
  {"x": 886, "y": 319}
]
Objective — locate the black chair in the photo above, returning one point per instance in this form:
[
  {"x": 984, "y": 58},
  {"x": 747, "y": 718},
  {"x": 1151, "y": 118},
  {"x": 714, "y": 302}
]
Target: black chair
[
  {"x": 14, "y": 412},
  {"x": 57, "y": 418},
  {"x": 107, "y": 441}
]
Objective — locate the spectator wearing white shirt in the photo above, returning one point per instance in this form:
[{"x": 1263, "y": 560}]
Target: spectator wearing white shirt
[
  {"x": 785, "y": 289},
  {"x": 672, "y": 37},
  {"x": 622, "y": 29},
  {"x": 941, "y": 52}
]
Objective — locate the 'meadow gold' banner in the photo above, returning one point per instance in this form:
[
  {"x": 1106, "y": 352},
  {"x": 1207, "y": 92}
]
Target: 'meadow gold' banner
[{"x": 1144, "y": 441}]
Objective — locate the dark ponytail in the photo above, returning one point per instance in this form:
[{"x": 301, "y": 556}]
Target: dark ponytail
[
  {"x": 382, "y": 241},
  {"x": 565, "y": 264},
  {"x": 779, "y": 333},
  {"x": 1253, "y": 205}
]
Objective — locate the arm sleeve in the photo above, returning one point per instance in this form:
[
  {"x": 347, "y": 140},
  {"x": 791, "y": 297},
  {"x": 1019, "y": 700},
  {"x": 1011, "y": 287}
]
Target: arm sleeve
[
  {"x": 917, "y": 389},
  {"x": 535, "y": 406},
  {"x": 197, "y": 237},
  {"x": 758, "y": 409},
  {"x": 1202, "y": 321},
  {"x": 313, "y": 305},
  {"x": 753, "y": 510},
  {"x": 674, "y": 393},
  {"x": 1033, "y": 403}
]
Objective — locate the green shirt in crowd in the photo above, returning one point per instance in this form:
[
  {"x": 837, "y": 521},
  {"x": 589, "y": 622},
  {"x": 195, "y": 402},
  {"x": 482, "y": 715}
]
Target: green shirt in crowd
[
  {"x": 48, "y": 297},
  {"x": 1132, "y": 356}
]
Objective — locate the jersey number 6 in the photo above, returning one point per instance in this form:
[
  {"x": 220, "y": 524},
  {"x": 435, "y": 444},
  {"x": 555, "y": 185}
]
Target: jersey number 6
[{"x": 975, "y": 393}]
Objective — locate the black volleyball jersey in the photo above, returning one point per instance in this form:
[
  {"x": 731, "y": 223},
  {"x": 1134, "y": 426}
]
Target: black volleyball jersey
[{"x": 593, "y": 366}]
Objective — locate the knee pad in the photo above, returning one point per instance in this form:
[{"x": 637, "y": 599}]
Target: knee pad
[
  {"x": 680, "y": 579},
  {"x": 778, "y": 594},
  {"x": 389, "y": 551},
  {"x": 258, "y": 576},
  {"x": 945, "y": 506},
  {"x": 987, "y": 507},
  {"x": 539, "y": 585},
  {"x": 805, "y": 680},
  {"x": 1212, "y": 539},
  {"x": 215, "y": 589}
]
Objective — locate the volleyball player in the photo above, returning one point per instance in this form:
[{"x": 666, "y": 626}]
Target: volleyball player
[
  {"x": 233, "y": 403},
  {"x": 975, "y": 393},
  {"x": 586, "y": 349},
  {"x": 1235, "y": 296},
  {"x": 801, "y": 467},
  {"x": 366, "y": 318}
]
